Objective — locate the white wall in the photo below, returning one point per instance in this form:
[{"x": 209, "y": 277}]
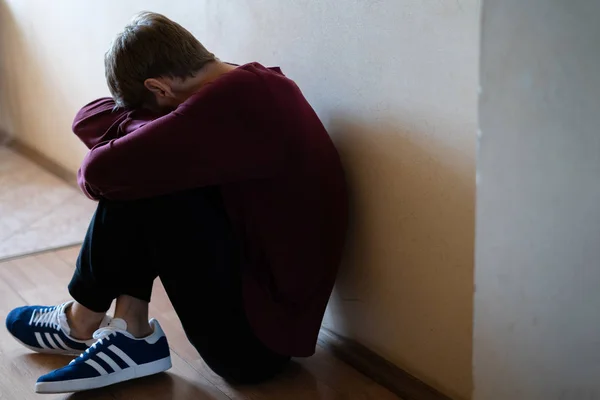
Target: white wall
[
  {"x": 395, "y": 83},
  {"x": 537, "y": 304}
]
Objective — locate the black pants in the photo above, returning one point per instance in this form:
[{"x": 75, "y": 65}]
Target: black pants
[{"x": 187, "y": 241}]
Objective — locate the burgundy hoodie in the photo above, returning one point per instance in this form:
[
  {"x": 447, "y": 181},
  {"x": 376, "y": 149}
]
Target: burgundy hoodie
[{"x": 252, "y": 133}]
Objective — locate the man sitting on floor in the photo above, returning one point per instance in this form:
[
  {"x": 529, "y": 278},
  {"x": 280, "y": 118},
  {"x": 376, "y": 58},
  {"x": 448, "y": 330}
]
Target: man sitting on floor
[{"x": 221, "y": 181}]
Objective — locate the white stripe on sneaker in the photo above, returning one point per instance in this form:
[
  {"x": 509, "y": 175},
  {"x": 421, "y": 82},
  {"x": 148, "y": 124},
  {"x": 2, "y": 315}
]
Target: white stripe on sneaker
[
  {"x": 109, "y": 361},
  {"x": 63, "y": 344},
  {"x": 96, "y": 366},
  {"x": 122, "y": 355},
  {"x": 51, "y": 342},
  {"x": 40, "y": 341}
]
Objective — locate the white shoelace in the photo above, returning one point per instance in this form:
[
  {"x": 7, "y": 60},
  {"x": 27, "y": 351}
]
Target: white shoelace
[
  {"x": 49, "y": 317},
  {"x": 101, "y": 335}
]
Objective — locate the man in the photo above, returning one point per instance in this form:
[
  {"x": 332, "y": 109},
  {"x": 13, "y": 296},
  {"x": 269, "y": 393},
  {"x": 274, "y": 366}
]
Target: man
[{"x": 221, "y": 181}]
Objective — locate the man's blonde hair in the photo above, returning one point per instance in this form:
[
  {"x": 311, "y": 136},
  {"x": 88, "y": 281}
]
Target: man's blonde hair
[{"x": 151, "y": 46}]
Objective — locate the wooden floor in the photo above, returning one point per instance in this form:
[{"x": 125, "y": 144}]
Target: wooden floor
[{"x": 42, "y": 279}]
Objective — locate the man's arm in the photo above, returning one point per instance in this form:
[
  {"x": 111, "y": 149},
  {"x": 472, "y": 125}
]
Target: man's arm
[
  {"x": 200, "y": 144},
  {"x": 99, "y": 121}
]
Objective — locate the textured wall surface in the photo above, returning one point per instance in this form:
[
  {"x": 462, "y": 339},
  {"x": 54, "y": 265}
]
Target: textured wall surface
[
  {"x": 538, "y": 220},
  {"x": 394, "y": 81}
]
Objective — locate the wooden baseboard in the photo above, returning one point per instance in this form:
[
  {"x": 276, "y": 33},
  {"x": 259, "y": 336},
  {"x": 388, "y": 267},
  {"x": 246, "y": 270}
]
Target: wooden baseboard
[
  {"x": 43, "y": 161},
  {"x": 399, "y": 382}
]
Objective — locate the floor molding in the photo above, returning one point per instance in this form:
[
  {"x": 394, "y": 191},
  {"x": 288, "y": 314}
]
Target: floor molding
[
  {"x": 396, "y": 380},
  {"x": 38, "y": 252},
  {"x": 43, "y": 161}
]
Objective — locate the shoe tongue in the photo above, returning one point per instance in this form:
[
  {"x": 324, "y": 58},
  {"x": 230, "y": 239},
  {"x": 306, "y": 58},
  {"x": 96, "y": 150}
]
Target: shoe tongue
[
  {"x": 119, "y": 324},
  {"x": 62, "y": 320}
]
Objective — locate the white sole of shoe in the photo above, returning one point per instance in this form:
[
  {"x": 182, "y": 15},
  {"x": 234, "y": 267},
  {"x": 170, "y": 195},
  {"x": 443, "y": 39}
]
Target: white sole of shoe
[
  {"x": 79, "y": 385},
  {"x": 50, "y": 351}
]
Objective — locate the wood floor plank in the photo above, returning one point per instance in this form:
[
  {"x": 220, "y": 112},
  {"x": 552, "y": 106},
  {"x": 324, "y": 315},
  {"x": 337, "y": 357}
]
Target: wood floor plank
[
  {"x": 295, "y": 383},
  {"x": 68, "y": 254},
  {"x": 36, "y": 272},
  {"x": 58, "y": 266},
  {"x": 181, "y": 382},
  {"x": 14, "y": 276}
]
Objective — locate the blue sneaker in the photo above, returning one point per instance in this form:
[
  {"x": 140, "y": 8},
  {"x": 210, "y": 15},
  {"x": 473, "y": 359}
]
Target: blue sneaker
[
  {"x": 45, "y": 329},
  {"x": 116, "y": 356}
]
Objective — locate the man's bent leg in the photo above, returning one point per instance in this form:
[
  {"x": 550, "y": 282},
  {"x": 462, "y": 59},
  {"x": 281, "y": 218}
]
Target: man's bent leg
[
  {"x": 116, "y": 256},
  {"x": 201, "y": 271},
  {"x": 188, "y": 239},
  {"x": 115, "y": 260}
]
